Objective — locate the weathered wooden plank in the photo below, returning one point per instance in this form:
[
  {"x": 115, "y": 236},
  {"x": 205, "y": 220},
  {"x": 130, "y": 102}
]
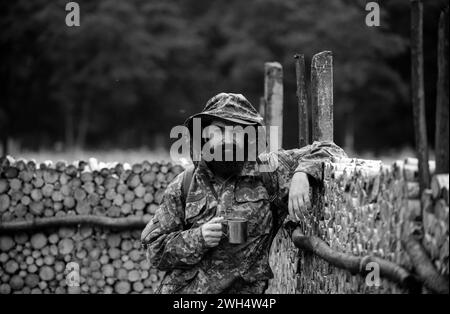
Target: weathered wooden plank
[
  {"x": 322, "y": 96},
  {"x": 273, "y": 96}
]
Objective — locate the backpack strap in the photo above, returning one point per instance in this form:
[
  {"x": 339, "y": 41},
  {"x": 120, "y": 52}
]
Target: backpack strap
[
  {"x": 274, "y": 206},
  {"x": 270, "y": 181},
  {"x": 187, "y": 179},
  {"x": 268, "y": 184}
]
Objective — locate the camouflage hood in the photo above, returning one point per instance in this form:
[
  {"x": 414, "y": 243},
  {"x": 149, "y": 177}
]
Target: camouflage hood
[{"x": 231, "y": 107}]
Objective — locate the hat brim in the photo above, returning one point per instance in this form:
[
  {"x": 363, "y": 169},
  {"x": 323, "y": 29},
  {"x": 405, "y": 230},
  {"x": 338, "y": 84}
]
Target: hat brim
[{"x": 212, "y": 117}]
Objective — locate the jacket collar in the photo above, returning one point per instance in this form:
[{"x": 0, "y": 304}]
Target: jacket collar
[{"x": 250, "y": 168}]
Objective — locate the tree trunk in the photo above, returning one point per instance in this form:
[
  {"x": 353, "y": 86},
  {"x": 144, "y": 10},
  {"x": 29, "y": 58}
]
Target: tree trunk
[
  {"x": 4, "y": 144},
  {"x": 442, "y": 102},
  {"x": 83, "y": 126},
  {"x": 69, "y": 126},
  {"x": 273, "y": 95}
]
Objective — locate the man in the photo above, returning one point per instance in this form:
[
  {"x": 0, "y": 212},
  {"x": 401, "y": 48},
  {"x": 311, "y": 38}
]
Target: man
[{"x": 186, "y": 236}]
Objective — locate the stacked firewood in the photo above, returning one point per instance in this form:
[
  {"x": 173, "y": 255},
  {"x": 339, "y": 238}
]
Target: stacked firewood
[
  {"x": 410, "y": 170},
  {"x": 283, "y": 260},
  {"x": 29, "y": 190},
  {"x": 105, "y": 260},
  {"x": 364, "y": 208},
  {"x": 436, "y": 222}
]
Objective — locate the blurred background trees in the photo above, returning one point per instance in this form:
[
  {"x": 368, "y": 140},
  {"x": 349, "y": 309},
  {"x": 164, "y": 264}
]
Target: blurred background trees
[{"x": 135, "y": 68}]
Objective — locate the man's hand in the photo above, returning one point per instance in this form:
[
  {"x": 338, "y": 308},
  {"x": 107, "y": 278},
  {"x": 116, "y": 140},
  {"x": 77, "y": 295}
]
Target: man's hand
[
  {"x": 212, "y": 231},
  {"x": 298, "y": 195}
]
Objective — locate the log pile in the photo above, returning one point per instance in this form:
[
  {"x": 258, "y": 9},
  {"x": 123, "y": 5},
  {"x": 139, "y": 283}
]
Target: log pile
[
  {"x": 436, "y": 222},
  {"x": 109, "y": 260},
  {"x": 284, "y": 258},
  {"x": 364, "y": 208},
  {"x": 29, "y": 190}
]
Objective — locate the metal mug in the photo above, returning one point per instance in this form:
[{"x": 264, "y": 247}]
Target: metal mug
[{"x": 236, "y": 230}]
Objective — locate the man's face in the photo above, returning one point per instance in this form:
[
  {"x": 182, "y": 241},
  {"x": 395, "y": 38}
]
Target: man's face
[{"x": 227, "y": 138}]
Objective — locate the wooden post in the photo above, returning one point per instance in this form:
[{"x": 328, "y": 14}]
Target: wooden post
[
  {"x": 302, "y": 100},
  {"x": 262, "y": 108},
  {"x": 418, "y": 93},
  {"x": 273, "y": 96},
  {"x": 441, "y": 136},
  {"x": 322, "y": 96}
]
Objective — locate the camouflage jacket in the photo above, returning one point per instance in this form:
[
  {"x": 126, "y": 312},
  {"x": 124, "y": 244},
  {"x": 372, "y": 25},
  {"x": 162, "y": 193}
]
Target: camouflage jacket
[{"x": 175, "y": 243}]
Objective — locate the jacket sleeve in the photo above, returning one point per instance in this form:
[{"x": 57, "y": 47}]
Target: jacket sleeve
[
  {"x": 311, "y": 159},
  {"x": 168, "y": 245},
  {"x": 308, "y": 159}
]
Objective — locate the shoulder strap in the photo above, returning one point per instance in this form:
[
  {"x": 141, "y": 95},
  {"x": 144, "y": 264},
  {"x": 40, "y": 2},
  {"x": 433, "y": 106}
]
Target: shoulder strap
[
  {"x": 276, "y": 205},
  {"x": 269, "y": 185},
  {"x": 271, "y": 190},
  {"x": 187, "y": 179}
]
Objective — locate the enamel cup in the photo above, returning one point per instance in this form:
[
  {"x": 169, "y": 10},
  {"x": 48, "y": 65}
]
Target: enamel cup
[{"x": 236, "y": 230}]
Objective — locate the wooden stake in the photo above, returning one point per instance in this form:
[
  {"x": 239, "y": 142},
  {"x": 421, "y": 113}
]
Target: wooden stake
[
  {"x": 273, "y": 96},
  {"x": 418, "y": 93},
  {"x": 441, "y": 136},
  {"x": 322, "y": 96},
  {"x": 302, "y": 100}
]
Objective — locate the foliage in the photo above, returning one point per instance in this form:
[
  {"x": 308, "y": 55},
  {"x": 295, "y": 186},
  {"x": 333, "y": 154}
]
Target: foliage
[{"x": 134, "y": 68}]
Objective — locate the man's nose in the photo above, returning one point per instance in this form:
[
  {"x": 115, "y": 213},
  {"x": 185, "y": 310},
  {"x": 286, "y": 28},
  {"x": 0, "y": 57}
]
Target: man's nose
[{"x": 229, "y": 141}]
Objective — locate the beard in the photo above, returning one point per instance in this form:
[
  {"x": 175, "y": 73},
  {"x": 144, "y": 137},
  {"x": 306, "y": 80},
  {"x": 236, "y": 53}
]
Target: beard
[{"x": 224, "y": 168}]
